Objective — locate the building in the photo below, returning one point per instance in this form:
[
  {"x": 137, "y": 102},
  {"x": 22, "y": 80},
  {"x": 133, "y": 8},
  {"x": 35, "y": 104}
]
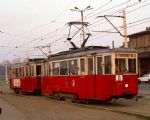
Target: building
[{"x": 141, "y": 42}]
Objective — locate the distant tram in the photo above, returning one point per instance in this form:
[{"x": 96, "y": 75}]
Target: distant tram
[
  {"x": 26, "y": 76},
  {"x": 93, "y": 72}
]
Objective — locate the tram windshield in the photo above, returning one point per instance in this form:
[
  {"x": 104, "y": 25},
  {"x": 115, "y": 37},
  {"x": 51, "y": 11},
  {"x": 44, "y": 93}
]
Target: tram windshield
[{"x": 125, "y": 65}]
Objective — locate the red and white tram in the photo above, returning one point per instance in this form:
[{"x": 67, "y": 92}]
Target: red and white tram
[
  {"x": 26, "y": 77},
  {"x": 91, "y": 73},
  {"x": 85, "y": 73}
]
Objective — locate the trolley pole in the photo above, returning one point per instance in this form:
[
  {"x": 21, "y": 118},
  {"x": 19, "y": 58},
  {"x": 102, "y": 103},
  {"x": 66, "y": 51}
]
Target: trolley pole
[
  {"x": 82, "y": 19},
  {"x": 125, "y": 29},
  {"x": 82, "y": 25}
]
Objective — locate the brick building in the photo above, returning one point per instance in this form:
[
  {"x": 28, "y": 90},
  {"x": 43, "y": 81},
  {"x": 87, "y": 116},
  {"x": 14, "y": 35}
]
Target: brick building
[{"x": 141, "y": 42}]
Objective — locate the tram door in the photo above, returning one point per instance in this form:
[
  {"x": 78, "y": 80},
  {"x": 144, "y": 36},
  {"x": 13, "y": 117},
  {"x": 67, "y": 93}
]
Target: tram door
[
  {"x": 38, "y": 74},
  {"x": 91, "y": 77},
  {"x": 38, "y": 70}
]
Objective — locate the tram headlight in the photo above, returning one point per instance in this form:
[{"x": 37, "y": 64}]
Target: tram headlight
[{"x": 126, "y": 85}]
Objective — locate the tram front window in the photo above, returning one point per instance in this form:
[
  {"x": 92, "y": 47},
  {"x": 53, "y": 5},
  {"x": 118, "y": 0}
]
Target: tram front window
[
  {"x": 125, "y": 65},
  {"x": 120, "y": 65},
  {"x": 132, "y": 65}
]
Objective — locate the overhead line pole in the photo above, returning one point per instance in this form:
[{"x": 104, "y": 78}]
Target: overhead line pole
[
  {"x": 124, "y": 26},
  {"x": 125, "y": 29}
]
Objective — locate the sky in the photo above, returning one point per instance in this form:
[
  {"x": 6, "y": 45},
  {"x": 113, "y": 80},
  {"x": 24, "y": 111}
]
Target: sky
[{"x": 27, "y": 25}]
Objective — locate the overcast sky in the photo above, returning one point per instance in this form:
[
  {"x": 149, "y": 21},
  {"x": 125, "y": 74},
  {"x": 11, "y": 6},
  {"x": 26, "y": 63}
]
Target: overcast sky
[{"x": 27, "y": 24}]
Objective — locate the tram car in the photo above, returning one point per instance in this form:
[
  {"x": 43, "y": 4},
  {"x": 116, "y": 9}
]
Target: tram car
[
  {"x": 25, "y": 77},
  {"x": 88, "y": 73}
]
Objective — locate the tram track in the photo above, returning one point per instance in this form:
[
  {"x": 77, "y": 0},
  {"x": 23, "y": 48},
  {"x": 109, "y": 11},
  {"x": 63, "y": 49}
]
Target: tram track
[{"x": 113, "y": 107}]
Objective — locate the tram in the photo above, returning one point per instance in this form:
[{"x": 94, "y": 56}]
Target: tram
[
  {"x": 25, "y": 77},
  {"x": 92, "y": 72}
]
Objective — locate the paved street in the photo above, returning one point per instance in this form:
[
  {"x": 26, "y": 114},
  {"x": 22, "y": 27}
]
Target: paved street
[{"x": 16, "y": 107}]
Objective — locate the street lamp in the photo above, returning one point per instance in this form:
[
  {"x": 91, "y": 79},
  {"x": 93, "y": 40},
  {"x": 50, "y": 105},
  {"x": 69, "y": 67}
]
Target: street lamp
[{"x": 81, "y": 11}]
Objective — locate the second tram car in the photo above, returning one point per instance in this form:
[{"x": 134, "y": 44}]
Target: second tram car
[
  {"x": 26, "y": 76},
  {"x": 91, "y": 73}
]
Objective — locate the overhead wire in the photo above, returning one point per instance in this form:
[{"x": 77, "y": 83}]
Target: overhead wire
[{"x": 93, "y": 12}]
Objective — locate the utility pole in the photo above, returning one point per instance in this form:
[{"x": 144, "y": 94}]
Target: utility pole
[
  {"x": 82, "y": 20},
  {"x": 49, "y": 49},
  {"x": 125, "y": 29},
  {"x": 117, "y": 30}
]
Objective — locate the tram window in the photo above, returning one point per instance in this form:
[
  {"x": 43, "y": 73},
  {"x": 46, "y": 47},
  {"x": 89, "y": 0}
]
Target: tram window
[
  {"x": 63, "y": 68},
  {"x": 132, "y": 65},
  {"x": 90, "y": 66},
  {"x": 22, "y": 71},
  {"x": 73, "y": 67},
  {"x": 55, "y": 66},
  {"x": 27, "y": 71},
  {"x": 99, "y": 65},
  {"x": 107, "y": 64},
  {"x": 47, "y": 67},
  {"x": 82, "y": 66},
  {"x": 120, "y": 65},
  {"x": 13, "y": 74},
  {"x": 32, "y": 71},
  {"x": 16, "y": 72}
]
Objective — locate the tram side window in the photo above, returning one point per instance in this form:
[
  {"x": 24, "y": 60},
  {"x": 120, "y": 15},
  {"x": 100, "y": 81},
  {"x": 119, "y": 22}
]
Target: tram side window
[
  {"x": 22, "y": 71},
  {"x": 82, "y": 66},
  {"x": 99, "y": 65},
  {"x": 73, "y": 67},
  {"x": 55, "y": 67},
  {"x": 13, "y": 73},
  {"x": 16, "y": 72},
  {"x": 47, "y": 69},
  {"x": 90, "y": 66},
  {"x": 32, "y": 71},
  {"x": 27, "y": 71},
  {"x": 107, "y": 64},
  {"x": 120, "y": 65},
  {"x": 132, "y": 65},
  {"x": 63, "y": 68}
]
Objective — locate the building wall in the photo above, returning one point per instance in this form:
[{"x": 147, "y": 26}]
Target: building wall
[{"x": 141, "y": 42}]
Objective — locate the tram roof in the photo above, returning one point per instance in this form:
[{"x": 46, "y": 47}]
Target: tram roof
[
  {"x": 88, "y": 51},
  {"x": 29, "y": 61}
]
